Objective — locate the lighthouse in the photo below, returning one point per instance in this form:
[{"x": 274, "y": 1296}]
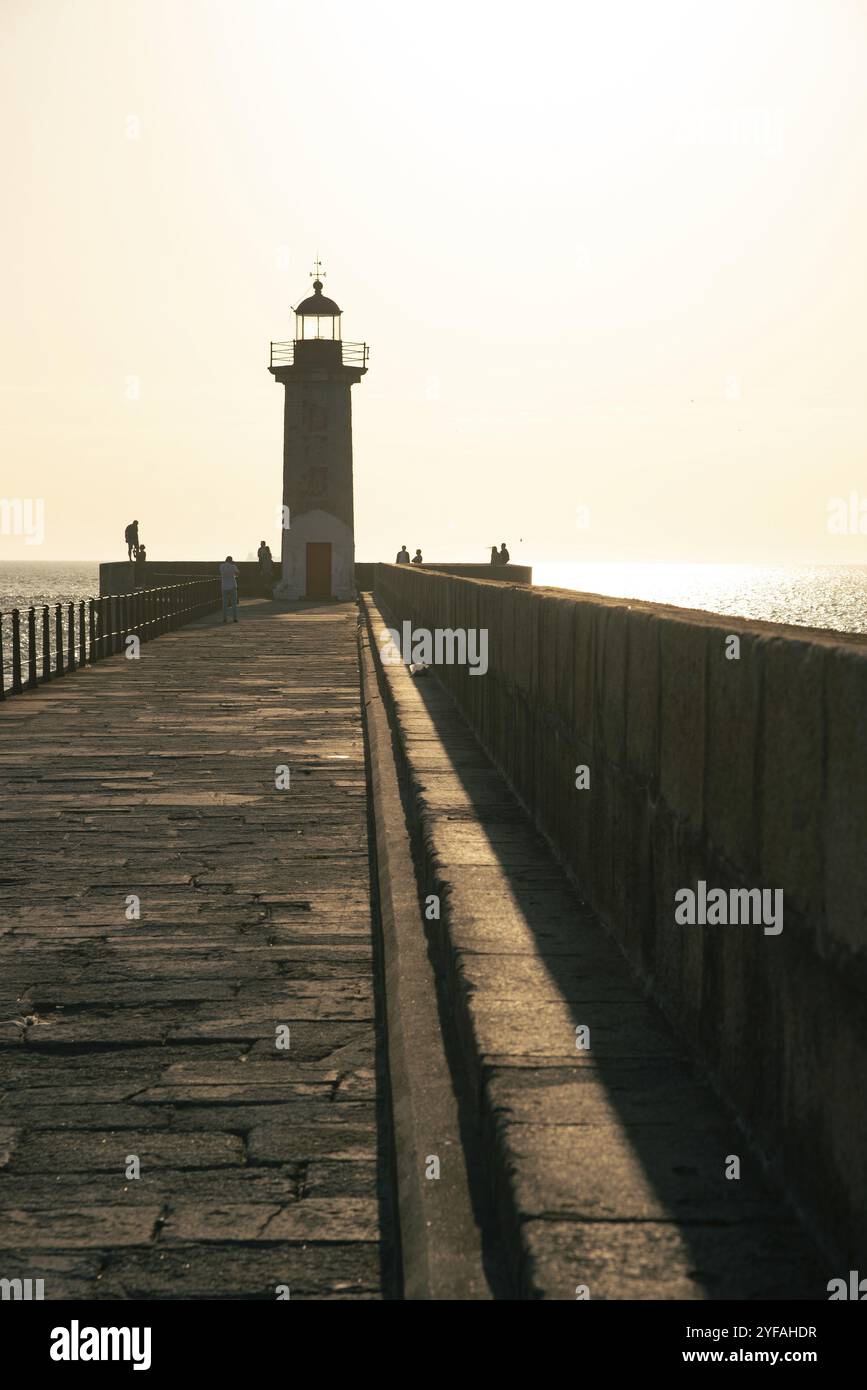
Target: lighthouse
[{"x": 317, "y": 369}]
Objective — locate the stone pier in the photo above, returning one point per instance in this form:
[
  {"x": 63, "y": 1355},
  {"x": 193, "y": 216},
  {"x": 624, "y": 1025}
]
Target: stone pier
[{"x": 251, "y": 1050}]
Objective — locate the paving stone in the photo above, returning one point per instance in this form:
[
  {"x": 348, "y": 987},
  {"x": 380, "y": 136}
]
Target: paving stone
[
  {"x": 657, "y": 1260},
  {"x": 166, "y": 1186},
  {"x": 614, "y": 1093},
  {"x": 325, "y": 1221},
  {"x": 333, "y": 1178},
  {"x": 647, "y": 1172},
  {"x": 221, "y": 1271},
  {"x": 58, "y": 1228},
  {"x": 276, "y": 1143},
  {"x": 65, "y": 1276},
  {"x": 50, "y": 1150},
  {"x": 548, "y": 1029}
]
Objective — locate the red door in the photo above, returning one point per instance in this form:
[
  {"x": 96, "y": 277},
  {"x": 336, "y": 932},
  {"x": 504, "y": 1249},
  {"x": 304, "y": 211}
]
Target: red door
[{"x": 318, "y": 569}]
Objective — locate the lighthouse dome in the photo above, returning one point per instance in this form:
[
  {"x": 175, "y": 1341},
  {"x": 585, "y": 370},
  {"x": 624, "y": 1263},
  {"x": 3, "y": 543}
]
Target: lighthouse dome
[{"x": 318, "y": 305}]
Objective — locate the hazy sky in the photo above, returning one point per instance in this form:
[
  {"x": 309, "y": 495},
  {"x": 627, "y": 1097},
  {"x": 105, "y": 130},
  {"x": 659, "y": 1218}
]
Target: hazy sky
[{"x": 608, "y": 256}]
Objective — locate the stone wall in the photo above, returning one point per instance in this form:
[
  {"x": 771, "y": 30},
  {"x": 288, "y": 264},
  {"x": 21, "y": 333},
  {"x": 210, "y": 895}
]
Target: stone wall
[
  {"x": 116, "y": 576},
  {"x": 745, "y": 773},
  {"x": 509, "y": 574}
]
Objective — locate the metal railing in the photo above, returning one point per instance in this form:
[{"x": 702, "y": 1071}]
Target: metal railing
[
  {"x": 351, "y": 354},
  {"x": 39, "y": 644}
]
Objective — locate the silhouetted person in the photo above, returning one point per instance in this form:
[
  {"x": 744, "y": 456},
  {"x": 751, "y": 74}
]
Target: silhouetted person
[
  {"x": 402, "y": 556},
  {"x": 130, "y": 535},
  {"x": 141, "y": 558},
  {"x": 266, "y": 561},
  {"x": 229, "y": 581},
  {"x": 495, "y": 555},
  {"x": 416, "y": 559},
  {"x": 504, "y": 554}
]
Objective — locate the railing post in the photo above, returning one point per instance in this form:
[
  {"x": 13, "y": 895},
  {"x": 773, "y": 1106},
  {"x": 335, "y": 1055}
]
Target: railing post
[
  {"x": 82, "y": 638},
  {"x": 92, "y": 625},
  {"x": 16, "y": 652},
  {"x": 46, "y": 643},
  {"x": 31, "y": 648},
  {"x": 59, "y": 666},
  {"x": 2, "y": 672},
  {"x": 70, "y": 637}
]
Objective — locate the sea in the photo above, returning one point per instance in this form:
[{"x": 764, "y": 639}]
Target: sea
[
  {"x": 822, "y": 596},
  {"x": 36, "y": 582}
]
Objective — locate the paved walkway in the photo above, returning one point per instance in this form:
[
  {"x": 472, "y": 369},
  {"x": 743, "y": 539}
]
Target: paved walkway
[{"x": 157, "y": 1037}]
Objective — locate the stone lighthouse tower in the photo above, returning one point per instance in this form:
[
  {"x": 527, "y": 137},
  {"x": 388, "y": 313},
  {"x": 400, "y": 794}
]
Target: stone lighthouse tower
[{"x": 317, "y": 370}]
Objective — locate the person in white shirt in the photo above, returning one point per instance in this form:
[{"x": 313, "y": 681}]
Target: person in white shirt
[{"x": 229, "y": 579}]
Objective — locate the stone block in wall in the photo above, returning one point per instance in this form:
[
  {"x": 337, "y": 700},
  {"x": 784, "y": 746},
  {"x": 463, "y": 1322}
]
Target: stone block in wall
[
  {"x": 547, "y": 638},
  {"x": 584, "y": 670},
  {"x": 611, "y": 645},
  {"x": 623, "y": 853},
  {"x": 792, "y": 775},
  {"x": 583, "y": 812},
  {"x": 526, "y": 614},
  {"x": 633, "y": 873},
  {"x": 601, "y": 865},
  {"x": 524, "y": 750},
  {"x": 546, "y": 773},
  {"x": 476, "y": 598},
  {"x": 564, "y": 685},
  {"x": 492, "y": 704},
  {"x": 504, "y": 662},
  {"x": 735, "y": 1011},
  {"x": 683, "y": 655},
  {"x": 845, "y": 828},
  {"x": 734, "y": 692},
  {"x": 678, "y": 949},
  {"x": 642, "y": 695}
]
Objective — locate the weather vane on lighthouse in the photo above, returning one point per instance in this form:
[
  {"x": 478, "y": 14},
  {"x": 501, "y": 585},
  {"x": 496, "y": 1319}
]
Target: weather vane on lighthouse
[{"x": 317, "y": 272}]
